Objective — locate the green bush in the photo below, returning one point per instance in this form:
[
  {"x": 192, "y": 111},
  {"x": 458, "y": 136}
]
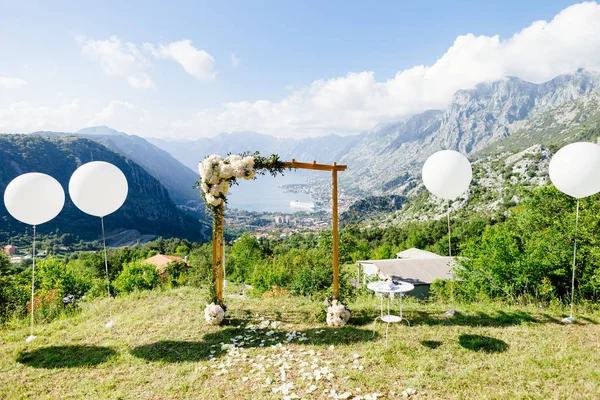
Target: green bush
[
  {"x": 440, "y": 289},
  {"x": 268, "y": 274},
  {"x": 54, "y": 274},
  {"x": 311, "y": 279},
  {"x": 175, "y": 273},
  {"x": 13, "y": 297},
  {"x": 136, "y": 276},
  {"x": 246, "y": 254},
  {"x": 200, "y": 271}
]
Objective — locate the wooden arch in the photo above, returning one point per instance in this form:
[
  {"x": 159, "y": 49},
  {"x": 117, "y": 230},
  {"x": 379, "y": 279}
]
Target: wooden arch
[{"x": 218, "y": 241}]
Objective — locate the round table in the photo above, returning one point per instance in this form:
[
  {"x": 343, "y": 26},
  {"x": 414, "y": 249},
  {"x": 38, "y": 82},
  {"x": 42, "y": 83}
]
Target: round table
[{"x": 391, "y": 289}]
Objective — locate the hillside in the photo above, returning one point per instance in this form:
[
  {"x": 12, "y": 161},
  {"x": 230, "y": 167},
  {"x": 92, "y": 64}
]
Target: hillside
[
  {"x": 161, "y": 348},
  {"x": 474, "y": 120},
  {"x": 148, "y": 208},
  {"x": 507, "y": 115},
  {"x": 173, "y": 175}
]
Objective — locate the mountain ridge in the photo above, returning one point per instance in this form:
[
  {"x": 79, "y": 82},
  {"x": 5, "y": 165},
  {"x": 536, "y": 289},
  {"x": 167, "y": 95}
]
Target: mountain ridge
[
  {"x": 148, "y": 207},
  {"x": 474, "y": 120},
  {"x": 176, "y": 177}
]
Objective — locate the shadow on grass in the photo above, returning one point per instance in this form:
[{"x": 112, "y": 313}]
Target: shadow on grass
[
  {"x": 498, "y": 318},
  {"x": 171, "y": 351},
  {"x": 189, "y": 351},
  {"x": 485, "y": 344},
  {"x": 432, "y": 344},
  {"x": 587, "y": 319},
  {"x": 65, "y": 356}
]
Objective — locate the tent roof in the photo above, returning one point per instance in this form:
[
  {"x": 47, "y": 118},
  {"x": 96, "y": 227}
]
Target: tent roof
[
  {"x": 419, "y": 271},
  {"x": 416, "y": 253},
  {"x": 161, "y": 261}
]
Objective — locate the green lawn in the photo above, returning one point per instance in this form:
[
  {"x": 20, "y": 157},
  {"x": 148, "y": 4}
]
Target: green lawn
[{"x": 161, "y": 348}]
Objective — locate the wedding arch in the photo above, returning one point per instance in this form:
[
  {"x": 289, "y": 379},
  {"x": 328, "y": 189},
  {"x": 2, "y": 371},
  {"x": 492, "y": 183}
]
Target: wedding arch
[{"x": 218, "y": 174}]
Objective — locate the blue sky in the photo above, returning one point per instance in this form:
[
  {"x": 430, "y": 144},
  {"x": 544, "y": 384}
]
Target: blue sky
[{"x": 69, "y": 64}]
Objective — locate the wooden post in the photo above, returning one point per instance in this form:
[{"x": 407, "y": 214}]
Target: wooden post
[
  {"x": 217, "y": 252},
  {"x": 334, "y": 229},
  {"x": 222, "y": 257}
]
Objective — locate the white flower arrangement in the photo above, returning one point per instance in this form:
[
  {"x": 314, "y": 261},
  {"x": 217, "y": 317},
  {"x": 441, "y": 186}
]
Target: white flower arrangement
[
  {"x": 337, "y": 314},
  {"x": 214, "y": 314},
  {"x": 217, "y": 173}
]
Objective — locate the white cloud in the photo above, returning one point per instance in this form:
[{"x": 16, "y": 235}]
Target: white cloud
[
  {"x": 24, "y": 117},
  {"x": 235, "y": 60},
  {"x": 70, "y": 115},
  {"x": 7, "y": 82},
  {"x": 358, "y": 101},
  {"x": 118, "y": 59},
  {"x": 123, "y": 116},
  {"x": 346, "y": 104},
  {"x": 197, "y": 63}
]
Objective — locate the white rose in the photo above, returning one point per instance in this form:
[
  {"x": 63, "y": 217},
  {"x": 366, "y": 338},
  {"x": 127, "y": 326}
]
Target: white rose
[
  {"x": 214, "y": 158},
  {"x": 238, "y": 164},
  {"x": 239, "y": 173},
  {"x": 226, "y": 171},
  {"x": 212, "y": 200},
  {"x": 225, "y": 188},
  {"x": 250, "y": 175},
  {"x": 204, "y": 187},
  {"x": 215, "y": 190},
  {"x": 249, "y": 161},
  {"x": 207, "y": 172}
]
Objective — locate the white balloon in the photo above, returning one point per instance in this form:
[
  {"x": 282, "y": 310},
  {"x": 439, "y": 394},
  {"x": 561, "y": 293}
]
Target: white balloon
[
  {"x": 98, "y": 188},
  {"x": 447, "y": 174},
  {"x": 575, "y": 169},
  {"x": 34, "y": 198}
]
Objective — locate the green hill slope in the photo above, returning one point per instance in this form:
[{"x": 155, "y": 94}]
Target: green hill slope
[{"x": 148, "y": 208}]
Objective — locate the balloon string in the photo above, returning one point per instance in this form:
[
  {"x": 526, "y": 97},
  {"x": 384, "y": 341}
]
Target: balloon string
[
  {"x": 574, "y": 258},
  {"x": 106, "y": 268},
  {"x": 32, "y": 281},
  {"x": 450, "y": 254}
]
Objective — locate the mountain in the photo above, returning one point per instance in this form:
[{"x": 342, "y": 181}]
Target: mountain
[
  {"x": 148, "y": 208},
  {"x": 509, "y": 112},
  {"x": 474, "y": 120},
  {"x": 324, "y": 149},
  {"x": 173, "y": 175}
]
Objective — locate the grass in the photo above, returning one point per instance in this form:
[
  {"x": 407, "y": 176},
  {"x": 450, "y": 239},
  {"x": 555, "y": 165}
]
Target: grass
[{"x": 160, "y": 348}]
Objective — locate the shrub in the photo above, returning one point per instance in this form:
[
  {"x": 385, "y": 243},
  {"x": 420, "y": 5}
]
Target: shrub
[
  {"x": 200, "y": 261},
  {"x": 269, "y": 274},
  {"x": 54, "y": 274},
  {"x": 175, "y": 273},
  {"x": 136, "y": 276},
  {"x": 312, "y": 279},
  {"x": 13, "y": 297}
]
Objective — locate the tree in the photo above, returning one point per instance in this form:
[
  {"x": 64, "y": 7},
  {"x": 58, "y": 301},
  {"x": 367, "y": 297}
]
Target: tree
[
  {"x": 246, "y": 252},
  {"x": 383, "y": 253}
]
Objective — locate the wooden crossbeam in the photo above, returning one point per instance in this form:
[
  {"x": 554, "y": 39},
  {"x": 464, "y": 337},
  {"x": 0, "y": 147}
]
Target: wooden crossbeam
[{"x": 315, "y": 166}]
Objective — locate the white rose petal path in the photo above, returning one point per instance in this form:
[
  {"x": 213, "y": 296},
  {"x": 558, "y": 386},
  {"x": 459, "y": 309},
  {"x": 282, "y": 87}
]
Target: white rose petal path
[{"x": 269, "y": 357}]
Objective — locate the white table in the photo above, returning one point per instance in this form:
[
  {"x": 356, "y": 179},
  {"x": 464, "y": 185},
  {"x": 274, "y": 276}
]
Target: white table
[{"x": 391, "y": 289}]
